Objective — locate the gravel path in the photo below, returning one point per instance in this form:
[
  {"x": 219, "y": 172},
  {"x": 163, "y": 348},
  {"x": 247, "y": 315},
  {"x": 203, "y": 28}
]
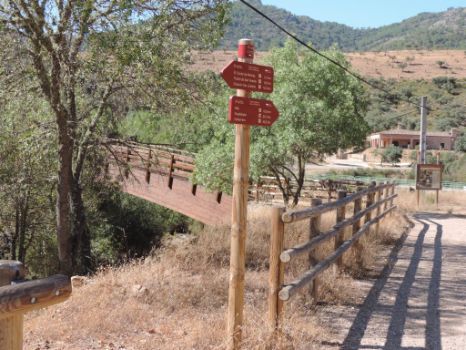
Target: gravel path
[{"x": 419, "y": 300}]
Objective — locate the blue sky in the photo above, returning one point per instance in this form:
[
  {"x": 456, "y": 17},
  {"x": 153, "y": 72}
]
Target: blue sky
[{"x": 363, "y": 13}]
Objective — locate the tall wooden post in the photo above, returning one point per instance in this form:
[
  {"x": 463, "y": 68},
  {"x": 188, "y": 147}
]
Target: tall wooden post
[
  {"x": 341, "y": 213},
  {"x": 276, "y": 269},
  {"x": 11, "y": 328},
  {"x": 239, "y": 215},
  {"x": 314, "y": 230}
]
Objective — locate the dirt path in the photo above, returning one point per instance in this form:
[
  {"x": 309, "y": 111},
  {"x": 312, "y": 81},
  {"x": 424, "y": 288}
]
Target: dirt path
[{"x": 419, "y": 300}]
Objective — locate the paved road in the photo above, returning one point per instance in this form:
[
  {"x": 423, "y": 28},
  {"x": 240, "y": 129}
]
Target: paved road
[{"x": 419, "y": 302}]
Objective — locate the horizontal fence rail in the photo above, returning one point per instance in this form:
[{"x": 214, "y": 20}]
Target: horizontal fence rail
[
  {"x": 27, "y": 296},
  {"x": 301, "y": 214},
  {"x": 378, "y": 203}
]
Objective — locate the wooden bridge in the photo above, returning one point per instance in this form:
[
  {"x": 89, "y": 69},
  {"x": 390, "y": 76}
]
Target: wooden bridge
[{"x": 163, "y": 176}]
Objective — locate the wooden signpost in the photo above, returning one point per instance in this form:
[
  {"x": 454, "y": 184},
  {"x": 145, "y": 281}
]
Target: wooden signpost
[{"x": 244, "y": 112}]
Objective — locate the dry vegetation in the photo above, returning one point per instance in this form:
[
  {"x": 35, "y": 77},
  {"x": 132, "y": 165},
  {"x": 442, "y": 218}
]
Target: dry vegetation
[
  {"x": 405, "y": 64},
  {"x": 176, "y": 299},
  {"x": 451, "y": 202}
]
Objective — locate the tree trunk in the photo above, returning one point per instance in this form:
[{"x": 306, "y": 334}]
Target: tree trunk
[
  {"x": 65, "y": 178},
  {"x": 81, "y": 235},
  {"x": 300, "y": 180}
]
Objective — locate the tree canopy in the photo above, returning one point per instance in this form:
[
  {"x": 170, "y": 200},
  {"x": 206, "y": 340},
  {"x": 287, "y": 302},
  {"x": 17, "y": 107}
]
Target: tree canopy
[{"x": 91, "y": 62}]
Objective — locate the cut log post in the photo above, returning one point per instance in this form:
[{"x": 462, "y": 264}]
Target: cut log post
[
  {"x": 276, "y": 269},
  {"x": 341, "y": 213},
  {"x": 314, "y": 231},
  {"x": 11, "y": 327}
]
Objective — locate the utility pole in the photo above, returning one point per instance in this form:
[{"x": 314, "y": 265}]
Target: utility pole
[{"x": 423, "y": 135}]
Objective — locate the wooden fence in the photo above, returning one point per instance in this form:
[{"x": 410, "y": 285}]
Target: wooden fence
[
  {"x": 18, "y": 296},
  {"x": 268, "y": 190},
  {"x": 379, "y": 199}
]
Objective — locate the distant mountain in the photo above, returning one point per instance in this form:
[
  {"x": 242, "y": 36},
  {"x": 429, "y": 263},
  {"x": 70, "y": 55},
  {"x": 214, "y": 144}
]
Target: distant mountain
[{"x": 443, "y": 30}]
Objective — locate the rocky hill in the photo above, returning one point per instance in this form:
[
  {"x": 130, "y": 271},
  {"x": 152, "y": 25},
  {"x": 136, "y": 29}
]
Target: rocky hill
[{"x": 443, "y": 30}]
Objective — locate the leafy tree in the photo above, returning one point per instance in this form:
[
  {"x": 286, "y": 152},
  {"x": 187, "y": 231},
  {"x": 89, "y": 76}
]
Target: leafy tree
[
  {"x": 392, "y": 154},
  {"x": 460, "y": 144},
  {"x": 93, "y": 61},
  {"x": 321, "y": 110}
]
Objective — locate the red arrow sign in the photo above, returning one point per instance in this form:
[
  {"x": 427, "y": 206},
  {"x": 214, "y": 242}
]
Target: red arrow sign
[
  {"x": 247, "y": 76},
  {"x": 251, "y": 111}
]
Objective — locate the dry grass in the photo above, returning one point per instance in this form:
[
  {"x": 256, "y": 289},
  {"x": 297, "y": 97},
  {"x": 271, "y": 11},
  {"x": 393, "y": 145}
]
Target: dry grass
[
  {"x": 451, "y": 202},
  {"x": 176, "y": 299}
]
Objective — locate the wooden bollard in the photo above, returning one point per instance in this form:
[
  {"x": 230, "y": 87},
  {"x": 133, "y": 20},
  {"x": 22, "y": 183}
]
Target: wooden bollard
[
  {"x": 11, "y": 327},
  {"x": 276, "y": 268},
  {"x": 341, "y": 213},
  {"x": 314, "y": 230}
]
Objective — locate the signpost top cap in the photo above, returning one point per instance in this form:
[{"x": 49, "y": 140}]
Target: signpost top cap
[
  {"x": 246, "y": 49},
  {"x": 245, "y": 41}
]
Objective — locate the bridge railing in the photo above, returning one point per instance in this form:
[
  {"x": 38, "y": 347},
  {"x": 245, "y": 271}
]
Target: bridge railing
[
  {"x": 152, "y": 159},
  {"x": 18, "y": 296},
  {"x": 378, "y": 203}
]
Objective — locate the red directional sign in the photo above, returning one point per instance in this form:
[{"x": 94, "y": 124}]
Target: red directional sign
[
  {"x": 248, "y": 76},
  {"x": 251, "y": 111}
]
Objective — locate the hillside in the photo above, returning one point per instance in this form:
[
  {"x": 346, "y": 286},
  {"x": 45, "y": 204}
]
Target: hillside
[
  {"x": 443, "y": 30},
  {"x": 403, "y": 64}
]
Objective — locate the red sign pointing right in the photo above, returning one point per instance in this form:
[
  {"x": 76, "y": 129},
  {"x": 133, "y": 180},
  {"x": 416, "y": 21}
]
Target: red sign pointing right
[{"x": 251, "y": 111}]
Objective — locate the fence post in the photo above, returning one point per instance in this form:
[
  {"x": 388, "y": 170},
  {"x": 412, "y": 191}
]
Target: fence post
[
  {"x": 276, "y": 268},
  {"x": 378, "y": 211},
  {"x": 341, "y": 213},
  {"x": 369, "y": 202},
  {"x": 392, "y": 192},
  {"x": 11, "y": 328},
  {"x": 314, "y": 230},
  {"x": 356, "y": 226},
  {"x": 387, "y": 193}
]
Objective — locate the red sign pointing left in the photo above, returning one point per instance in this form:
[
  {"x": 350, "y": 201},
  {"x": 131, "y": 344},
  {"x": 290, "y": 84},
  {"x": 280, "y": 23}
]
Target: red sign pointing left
[
  {"x": 251, "y": 111},
  {"x": 248, "y": 76}
]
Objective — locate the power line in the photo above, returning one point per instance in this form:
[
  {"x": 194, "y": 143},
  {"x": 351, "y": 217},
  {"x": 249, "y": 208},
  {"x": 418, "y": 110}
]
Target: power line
[{"x": 317, "y": 52}]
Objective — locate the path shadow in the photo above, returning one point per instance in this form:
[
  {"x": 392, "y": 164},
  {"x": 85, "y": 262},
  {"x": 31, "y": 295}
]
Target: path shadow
[{"x": 399, "y": 311}]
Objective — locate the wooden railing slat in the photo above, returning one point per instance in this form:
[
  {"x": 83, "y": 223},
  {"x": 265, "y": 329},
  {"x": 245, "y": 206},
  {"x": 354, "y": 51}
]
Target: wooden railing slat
[
  {"x": 313, "y": 243},
  {"x": 289, "y": 290},
  {"x": 301, "y": 214},
  {"x": 27, "y": 296}
]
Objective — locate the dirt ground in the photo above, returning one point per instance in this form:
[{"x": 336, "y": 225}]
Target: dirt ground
[
  {"x": 404, "y": 64},
  {"x": 418, "y": 301}
]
